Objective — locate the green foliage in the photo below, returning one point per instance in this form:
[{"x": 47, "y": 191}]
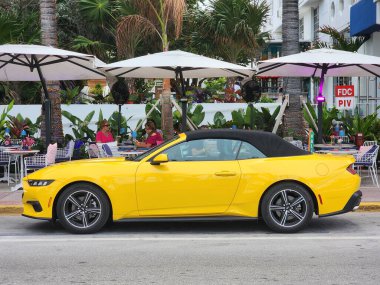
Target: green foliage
[
  {"x": 216, "y": 85},
  {"x": 114, "y": 119},
  {"x": 263, "y": 120},
  {"x": 328, "y": 115},
  {"x": 196, "y": 116},
  {"x": 266, "y": 99},
  {"x": 69, "y": 95},
  {"x": 366, "y": 125},
  {"x": 17, "y": 122},
  {"x": 4, "y": 118},
  {"x": 219, "y": 121},
  {"x": 155, "y": 115},
  {"x": 80, "y": 128}
]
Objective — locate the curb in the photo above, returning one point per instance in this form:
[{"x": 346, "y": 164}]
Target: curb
[
  {"x": 17, "y": 209},
  {"x": 11, "y": 209}
]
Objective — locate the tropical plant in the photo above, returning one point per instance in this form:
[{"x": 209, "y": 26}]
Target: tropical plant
[
  {"x": 80, "y": 127},
  {"x": 69, "y": 95},
  {"x": 4, "y": 118},
  {"x": 341, "y": 42},
  {"x": 355, "y": 124},
  {"x": 328, "y": 115},
  {"x": 196, "y": 116},
  {"x": 219, "y": 121},
  {"x": 231, "y": 29},
  {"x": 263, "y": 120},
  {"x": 17, "y": 123}
]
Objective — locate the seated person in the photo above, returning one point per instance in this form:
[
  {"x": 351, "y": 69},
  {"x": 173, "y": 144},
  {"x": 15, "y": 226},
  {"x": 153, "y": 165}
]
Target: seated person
[
  {"x": 104, "y": 135},
  {"x": 153, "y": 136}
]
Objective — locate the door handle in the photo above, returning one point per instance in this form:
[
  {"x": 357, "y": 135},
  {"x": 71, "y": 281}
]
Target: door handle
[{"x": 225, "y": 173}]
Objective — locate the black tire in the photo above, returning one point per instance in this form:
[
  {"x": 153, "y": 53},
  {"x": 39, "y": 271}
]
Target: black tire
[
  {"x": 287, "y": 208},
  {"x": 83, "y": 209}
]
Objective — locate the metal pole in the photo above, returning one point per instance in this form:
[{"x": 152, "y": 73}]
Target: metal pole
[
  {"x": 47, "y": 102},
  {"x": 119, "y": 121},
  {"x": 183, "y": 101},
  {"x": 320, "y": 116},
  {"x": 251, "y": 122}
]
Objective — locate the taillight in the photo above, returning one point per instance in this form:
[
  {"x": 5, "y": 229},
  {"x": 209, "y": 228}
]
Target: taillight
[{"x": 351, "y": 169}]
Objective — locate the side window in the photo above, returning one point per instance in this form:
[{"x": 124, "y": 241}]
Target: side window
[
  {"x": 204, "y": 150},
  {"x": 248, "y": 151}
]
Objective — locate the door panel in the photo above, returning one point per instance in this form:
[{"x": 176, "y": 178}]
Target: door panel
[{"x": 186, "y": 187}]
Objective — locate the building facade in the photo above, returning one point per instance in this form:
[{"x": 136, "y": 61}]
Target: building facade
[{"x": 351, "y": 17}]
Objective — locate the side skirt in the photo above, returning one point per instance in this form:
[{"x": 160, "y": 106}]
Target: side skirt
[{"x": 190, "y": 219}]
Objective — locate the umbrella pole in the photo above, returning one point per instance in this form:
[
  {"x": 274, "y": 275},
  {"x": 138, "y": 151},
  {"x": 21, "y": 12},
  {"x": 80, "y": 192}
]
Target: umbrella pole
[
  {"x": 119, "y": 121},
  {"x": 320, "y": 100},
  {"x": 183, "y": 101},
  {"x": 46, "y": 104}
]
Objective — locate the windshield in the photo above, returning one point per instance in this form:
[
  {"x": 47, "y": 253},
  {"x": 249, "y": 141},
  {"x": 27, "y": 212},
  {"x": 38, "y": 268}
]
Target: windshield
[{"x": 145, "y": 154}]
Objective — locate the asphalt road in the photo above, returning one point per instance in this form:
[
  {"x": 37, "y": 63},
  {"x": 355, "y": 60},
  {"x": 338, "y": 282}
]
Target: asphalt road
[{"x": 336, "y": 250}]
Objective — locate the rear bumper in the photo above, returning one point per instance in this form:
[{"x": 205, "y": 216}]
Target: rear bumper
[{"x": 352, "y": 205}]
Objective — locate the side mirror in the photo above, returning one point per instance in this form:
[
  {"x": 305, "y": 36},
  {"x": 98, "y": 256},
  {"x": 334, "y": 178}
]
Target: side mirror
[{"x": 161, "y": 158}]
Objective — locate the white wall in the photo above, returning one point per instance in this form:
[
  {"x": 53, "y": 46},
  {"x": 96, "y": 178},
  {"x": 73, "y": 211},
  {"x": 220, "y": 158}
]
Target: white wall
[{"x": 137, "y": 111}]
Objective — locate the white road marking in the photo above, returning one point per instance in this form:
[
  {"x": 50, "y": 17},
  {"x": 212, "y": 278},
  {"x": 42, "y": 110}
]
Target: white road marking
[{"x": 94, "y": 239}]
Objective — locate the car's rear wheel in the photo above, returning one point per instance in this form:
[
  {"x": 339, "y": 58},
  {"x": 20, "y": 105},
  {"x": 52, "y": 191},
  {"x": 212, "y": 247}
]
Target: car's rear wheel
[
  {"x": 287, "y": 208},
  {"x": 83, "y": 208}
]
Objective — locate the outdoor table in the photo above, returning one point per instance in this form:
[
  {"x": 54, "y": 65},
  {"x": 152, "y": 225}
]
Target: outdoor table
[
  {"x": 339, "y": 152},
  {"x": 131, "y": 153},
  {"x": 327, "y": 146},
  {"x": 18, "y": 153}
]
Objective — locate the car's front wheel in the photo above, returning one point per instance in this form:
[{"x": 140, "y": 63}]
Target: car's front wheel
[
  {"x": 83, "y": 208},
  {"x": 287, "y": 207}
]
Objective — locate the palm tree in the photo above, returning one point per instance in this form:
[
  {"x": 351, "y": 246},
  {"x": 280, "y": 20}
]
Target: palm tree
[
  {"x": 293, "y": 119},
  {"x": 233, "y": 28},
  {"x": 49, "y": 38},
  {"x": 340, "y": 42},
  {"x": 152, "y": 18}
]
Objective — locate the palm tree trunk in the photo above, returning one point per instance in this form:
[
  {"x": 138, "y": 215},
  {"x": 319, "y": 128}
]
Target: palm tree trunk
[
  {"x": 294, "y": 123},
  {"x": 49, "y": 37}
]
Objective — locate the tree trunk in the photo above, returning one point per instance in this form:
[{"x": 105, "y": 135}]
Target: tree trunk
[
  {"x": 294, "y": 123},
  {"x": 49, "y": 37}
]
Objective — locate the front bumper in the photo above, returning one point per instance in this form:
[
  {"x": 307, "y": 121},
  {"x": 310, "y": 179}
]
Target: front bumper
[{"x": 352, "y": 205}]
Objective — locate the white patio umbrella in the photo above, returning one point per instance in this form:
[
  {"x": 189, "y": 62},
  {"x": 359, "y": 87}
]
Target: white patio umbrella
[
  {"x": 174, "y": 64},
  {"x": 40, "y": 63},
  {"x": 320, "y": 63}
]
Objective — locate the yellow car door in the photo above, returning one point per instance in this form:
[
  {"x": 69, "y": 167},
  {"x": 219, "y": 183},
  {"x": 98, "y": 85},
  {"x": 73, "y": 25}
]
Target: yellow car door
[{"x": 200, "y": 178}]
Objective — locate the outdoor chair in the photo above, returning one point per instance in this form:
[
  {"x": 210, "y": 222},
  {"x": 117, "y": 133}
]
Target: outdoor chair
[
  {"x": 16, "y": 141},
  {"x": 345, "y": 139},
  {"x": 4, "y": 162},
  {"x": 65, "y": 154},
  {"x": 39, "y": 161},
  {"x": 367, "y": 158},
  {"x": 93, "y": 151},
  {"x": 107, "y": 150},
  {"x": 367, "y": 143}
]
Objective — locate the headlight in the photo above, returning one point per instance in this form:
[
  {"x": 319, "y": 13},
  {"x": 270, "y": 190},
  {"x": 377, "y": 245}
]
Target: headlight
[{"x": 40, "y": 182}]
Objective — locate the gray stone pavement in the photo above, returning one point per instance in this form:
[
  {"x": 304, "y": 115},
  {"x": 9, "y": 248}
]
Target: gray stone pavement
[{"x": 10, "y": 202}]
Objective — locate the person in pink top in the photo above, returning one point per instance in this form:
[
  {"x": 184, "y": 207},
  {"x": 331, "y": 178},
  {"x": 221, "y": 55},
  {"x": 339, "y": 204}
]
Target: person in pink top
[
  {"x": 104, "y": 135},
  {"x": 154, "y": 138}
]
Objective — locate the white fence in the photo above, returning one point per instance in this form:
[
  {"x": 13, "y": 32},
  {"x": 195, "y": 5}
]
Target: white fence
[{"x": 137, "y": 111}]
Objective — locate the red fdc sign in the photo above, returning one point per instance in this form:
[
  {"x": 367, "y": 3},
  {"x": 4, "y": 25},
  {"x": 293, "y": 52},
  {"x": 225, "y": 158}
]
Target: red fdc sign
[
  {"x": 344, "y": 97},
  {"x": 344, "y": 91}
]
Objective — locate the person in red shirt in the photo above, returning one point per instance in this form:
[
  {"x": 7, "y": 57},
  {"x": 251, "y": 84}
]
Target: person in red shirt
[
  {"x": 104, "y": 135},
  {"x": 154, "y": 138}
]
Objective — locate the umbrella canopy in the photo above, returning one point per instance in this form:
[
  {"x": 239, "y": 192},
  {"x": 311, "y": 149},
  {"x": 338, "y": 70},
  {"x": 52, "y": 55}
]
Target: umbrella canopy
[
  {"x": 320, "y": 63},
  {"x": 174, "y": 64},
  {"x": 19, "y": 63},
  {"x": 167, "y": 64},
  {"x": 40, "y": 63},
  {"x": 311, "y": 63}
]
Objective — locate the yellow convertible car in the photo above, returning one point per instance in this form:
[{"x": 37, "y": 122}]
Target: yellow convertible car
[{"x": 205, "y": 173}]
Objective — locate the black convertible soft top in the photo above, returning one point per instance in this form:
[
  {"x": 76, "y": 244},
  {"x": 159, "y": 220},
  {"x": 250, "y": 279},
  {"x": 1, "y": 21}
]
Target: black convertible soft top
[{"x": 269, "y": 144}]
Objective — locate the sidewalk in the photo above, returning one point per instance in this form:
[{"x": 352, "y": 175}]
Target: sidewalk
[{"x": 10, "y": 202}]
